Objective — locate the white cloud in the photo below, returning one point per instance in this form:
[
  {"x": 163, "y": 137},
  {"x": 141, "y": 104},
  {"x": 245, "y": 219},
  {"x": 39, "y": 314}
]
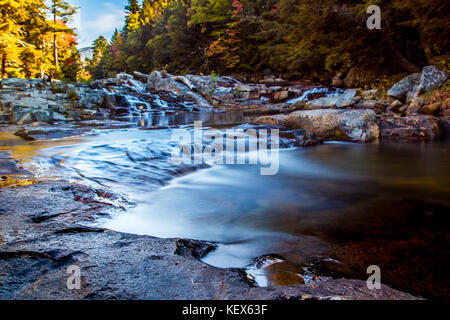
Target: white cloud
[{"x": 109, "y": 18}]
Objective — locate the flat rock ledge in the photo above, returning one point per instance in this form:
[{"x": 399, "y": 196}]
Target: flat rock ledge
[{"x": 47, "y": 227}]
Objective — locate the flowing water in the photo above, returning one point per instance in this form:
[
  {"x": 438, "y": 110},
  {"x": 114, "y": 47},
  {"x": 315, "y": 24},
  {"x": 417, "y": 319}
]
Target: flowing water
[{"x": 385, "y": 204}]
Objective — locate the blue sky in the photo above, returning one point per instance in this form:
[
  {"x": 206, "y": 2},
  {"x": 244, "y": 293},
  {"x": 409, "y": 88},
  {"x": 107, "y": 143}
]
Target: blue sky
[{"x": 97, "y": 17}]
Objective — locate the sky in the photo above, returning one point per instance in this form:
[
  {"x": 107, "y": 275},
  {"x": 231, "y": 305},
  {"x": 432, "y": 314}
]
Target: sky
[{"x": 97, "y": 17}]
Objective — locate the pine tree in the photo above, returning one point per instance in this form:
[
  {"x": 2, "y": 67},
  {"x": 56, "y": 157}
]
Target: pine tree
[{"x": 61, "y": 11}]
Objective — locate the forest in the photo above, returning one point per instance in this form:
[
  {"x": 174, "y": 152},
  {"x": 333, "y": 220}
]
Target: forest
[{"x": 289, "y": 38}]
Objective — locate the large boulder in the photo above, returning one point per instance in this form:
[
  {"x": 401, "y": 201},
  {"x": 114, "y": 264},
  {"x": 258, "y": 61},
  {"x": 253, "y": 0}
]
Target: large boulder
[
  {"x": 180, "y": 86},
  {"x": 334, "y": 125},
  {"x": 341, "y": 125},
  {"x": 401, "y": 89},
  {"x": 205, "y": 85},
  {"x": 155, "y": 80},
  {"x": 432, "y": 78}
]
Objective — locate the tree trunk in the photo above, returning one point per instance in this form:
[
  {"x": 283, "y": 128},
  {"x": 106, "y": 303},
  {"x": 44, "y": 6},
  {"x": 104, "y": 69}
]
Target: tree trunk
[
  {"x": 426, "y": 48},
  {"x": 4, "y": 66},
  {"x": 55, "y": 51},
  {"x": 55, "y": 46},
  {"x": 401, "y": 59}
]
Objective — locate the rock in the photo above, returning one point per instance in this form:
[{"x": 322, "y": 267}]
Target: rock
[
  {"x": 185, "y": 81},
  {"x": 370, "y": 94},
  {"x": 298, "y": 105},
  {"x": 5, "y": 117},
  {"x": 224, "y": 95},
  {"x": 178, "y": 85},
  {"x": 281, "y": 95},
  {"x": 359, "y": 76},
  {"x": 400, "y": 90},
  {"x": 24, "y": 135},
  {"x": 342, "y": 101},
  {"x": 304, "y": 138},
  {"x": 140, "y": 76},
  {"x": 26, "y": 118},
  {"x": 123, "y": 77},
  {"x": 59, "y": 117},
  {"x": 337, "y": 81},
  {"x": 273, "y": 120},
  {"x": 346, "y": 99},
  {"x": 395, "y": 106},
  {"x": 432, "y": 78},
  {"x": 87, "y": 114},
  {"x": 204, "y": 84},
  {"x": 155, "y": 80},
  {"x": 342, "y": 125},
  {"x": 322, "y": 103},
  {"x": 413, "y": 127},
  {"x": 431, "y": 108}
]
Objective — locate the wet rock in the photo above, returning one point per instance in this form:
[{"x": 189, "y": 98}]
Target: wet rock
[
  {"x": 400, "y": 90},
  {"x": 140, "y": 76},
  {"x": 342, "y": 125},
  {"x": 178, "y": 85},
  {"x": 305, "y": 138},
  {"x": 196, "y": 249},
  {"x": 8, "y": 167},
  {"x": 33, "y": 133},
  {"x": 412, "y": 127}
]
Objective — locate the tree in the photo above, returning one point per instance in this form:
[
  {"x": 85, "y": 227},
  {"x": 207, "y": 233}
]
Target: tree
[
  {"x": 16, "y": 22},
  {"x": 101, "y": 62},
  {"x": 61, "y": 11}
]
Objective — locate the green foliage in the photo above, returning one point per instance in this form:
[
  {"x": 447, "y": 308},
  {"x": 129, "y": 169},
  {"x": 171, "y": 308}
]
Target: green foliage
[{"x": 285, "y": 36}]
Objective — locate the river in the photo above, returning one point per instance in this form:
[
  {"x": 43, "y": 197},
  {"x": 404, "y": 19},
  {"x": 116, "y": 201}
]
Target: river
[{"x": 381, "y": 204}]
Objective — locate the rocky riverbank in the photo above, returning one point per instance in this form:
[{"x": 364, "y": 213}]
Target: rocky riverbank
[
  {"x": 44, "y": 229},
  {"x": 416, "y": 108}
]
